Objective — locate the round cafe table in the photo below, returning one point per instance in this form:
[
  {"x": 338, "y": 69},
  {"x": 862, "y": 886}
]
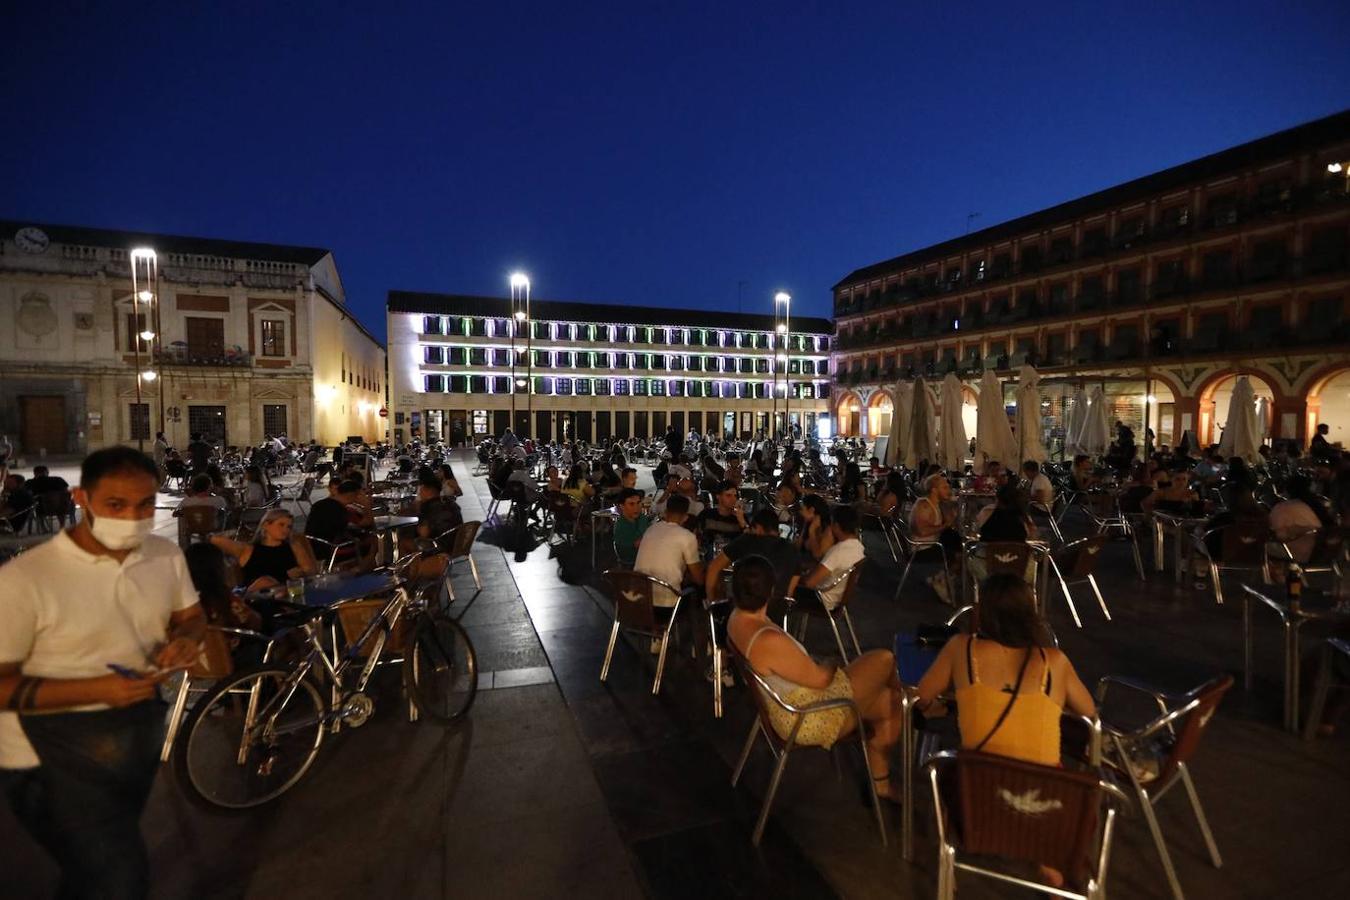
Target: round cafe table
[{"x": 383, "y": 526}]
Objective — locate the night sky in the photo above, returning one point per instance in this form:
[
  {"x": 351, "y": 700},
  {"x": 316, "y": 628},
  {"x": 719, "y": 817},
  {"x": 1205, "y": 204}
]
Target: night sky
[{"x": 677, "y": 154}]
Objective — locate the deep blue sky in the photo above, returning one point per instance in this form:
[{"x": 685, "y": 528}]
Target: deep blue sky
[{"x": 654, "y": 153}]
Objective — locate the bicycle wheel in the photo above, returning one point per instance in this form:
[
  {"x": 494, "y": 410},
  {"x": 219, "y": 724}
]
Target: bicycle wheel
[
  {"x": 222, "y": 763},
  {"x": 440, "y": 669}
]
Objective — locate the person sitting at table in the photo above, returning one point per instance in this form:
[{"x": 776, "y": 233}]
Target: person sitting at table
[
  {"x": 436, "y": 514},
  {"x": 211, "y": 577},
  {"x": 449, "y": 483},
  {"x": 1173, "y": 496},
  {"x": 726, "y": 520},
  {"x": 992, "y": 479},
  {"x": 628, "y": 477},
  {"x": 1007, "y": 521},
  {"x": 43, "y": 482},
  {"x": 199, "y": 494},
  {"x": 815, "y": 537},
  {"x": 933, "y": 518},
  {"x": 631, "y": 525},
  {"x": 891, "y": 495},
  {"x": 669, "y": 551},
  {"x": 734, "y": 473},
  {"x": 576, "y": 486},
  {"x": 553, "y": 479},
  {"x": 1011, "y": 682},
  {"x": 1039, "y": 488},
  {"x": 17, "y": 504},
  {"x": 1139, "y": 487},
  {"x": 782, "y": 662},
  {"x": 1293, "y": 521},
  {"x": 1081, "y": 474},
  {"x": 786, "y": 497},
  {"x": 761, "y": 539},
  {"x": 337, "y": 518},
  {"x": 845, "y": 552},
  {"x": 677, "y": 486},
  {"x": 275, "y": 555},
  {"x": 712, "y": 470},
  {"x": 852, "y": 489},
  {"x": 255, "y": 488}
]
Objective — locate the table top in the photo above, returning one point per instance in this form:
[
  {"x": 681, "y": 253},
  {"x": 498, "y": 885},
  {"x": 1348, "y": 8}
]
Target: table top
[
  {"x": 325, "y": 590},
  {"x": 384, "y": 522}
]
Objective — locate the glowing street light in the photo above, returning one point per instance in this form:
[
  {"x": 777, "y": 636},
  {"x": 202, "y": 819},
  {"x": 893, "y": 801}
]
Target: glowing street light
[
  {"x": 147, "y": 336},
  {"x": 144, "y": 284},
  {"x": 782, "y": 305},
  {"x": 149, "y": 375},
  {"x": 520, "y": 312}
]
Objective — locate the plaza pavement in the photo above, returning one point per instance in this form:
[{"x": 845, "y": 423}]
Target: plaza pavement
[{"x": 565, "y": 786}]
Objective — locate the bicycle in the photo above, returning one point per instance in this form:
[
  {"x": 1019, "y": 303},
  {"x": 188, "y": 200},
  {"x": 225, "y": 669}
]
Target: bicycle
[{"x": 257, "y": 732}]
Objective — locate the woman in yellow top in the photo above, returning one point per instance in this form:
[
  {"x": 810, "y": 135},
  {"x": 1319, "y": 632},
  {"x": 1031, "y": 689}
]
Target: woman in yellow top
[
  {"x": 576, "y": 486},
  {"x": 1011, "y": 682}
]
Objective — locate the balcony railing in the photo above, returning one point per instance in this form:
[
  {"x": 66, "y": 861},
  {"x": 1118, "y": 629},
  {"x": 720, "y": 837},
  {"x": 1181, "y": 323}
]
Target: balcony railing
[
  {"x": 232, "y": 358},
  {"x": 1254, "y": 210}
]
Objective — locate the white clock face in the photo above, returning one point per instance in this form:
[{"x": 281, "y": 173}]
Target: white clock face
[{"x": 31, "y": 240}]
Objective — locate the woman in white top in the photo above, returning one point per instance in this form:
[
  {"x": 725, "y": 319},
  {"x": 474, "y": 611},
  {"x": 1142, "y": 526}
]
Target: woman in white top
[{"x": 790, "y": 672}]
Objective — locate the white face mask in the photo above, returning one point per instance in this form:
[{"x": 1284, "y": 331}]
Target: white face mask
[{"x": 120, "y": 534}]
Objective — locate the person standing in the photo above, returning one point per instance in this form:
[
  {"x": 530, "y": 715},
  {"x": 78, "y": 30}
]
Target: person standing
[
  {"x": 79, "y": 745},
  {"x": 1320, "y": 448}
]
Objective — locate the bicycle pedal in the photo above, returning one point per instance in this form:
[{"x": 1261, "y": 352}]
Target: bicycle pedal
[{"x": 357, "y": 710}]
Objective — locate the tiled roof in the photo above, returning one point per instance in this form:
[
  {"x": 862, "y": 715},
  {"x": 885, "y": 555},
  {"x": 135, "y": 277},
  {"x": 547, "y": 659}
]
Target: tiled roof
[
  {"x": 169, "y": 243},
  {"x": 569, "y": 311}
]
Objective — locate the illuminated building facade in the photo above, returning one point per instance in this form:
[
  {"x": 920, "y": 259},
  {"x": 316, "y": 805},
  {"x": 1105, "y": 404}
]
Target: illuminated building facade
[
  {"x": 1162, "y": 290},
  {"x": 591, "y": 371}
]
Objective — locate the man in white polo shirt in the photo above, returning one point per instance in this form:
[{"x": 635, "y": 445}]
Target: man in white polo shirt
[
  {"x": 669, "y": 551},
  {"x": 90, "y": 623}
]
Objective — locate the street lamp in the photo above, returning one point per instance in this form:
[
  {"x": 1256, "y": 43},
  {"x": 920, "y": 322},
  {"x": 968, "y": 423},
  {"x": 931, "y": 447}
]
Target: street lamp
[
  {"x": 144, "y": 288},
  {"x": 782, "y": 303},
  {"x": 520, "y": 314}
]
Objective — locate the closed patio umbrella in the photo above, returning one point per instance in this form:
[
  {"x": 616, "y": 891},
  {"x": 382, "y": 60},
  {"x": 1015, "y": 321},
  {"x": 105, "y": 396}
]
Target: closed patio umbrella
[
  {"x": 922, "y": 443},
  {"x": 993, "y": 435},
  {"x": 1262, "y": 419},
  {"x": 1029, "y": 441},
  {"x": 1076, "y": 422},
  {"x": 952, "y": 441},
  {"x": 1239, "y": 433},
  {"x": 1097, "y": 433},
  {"x": 900, "y": 410}
]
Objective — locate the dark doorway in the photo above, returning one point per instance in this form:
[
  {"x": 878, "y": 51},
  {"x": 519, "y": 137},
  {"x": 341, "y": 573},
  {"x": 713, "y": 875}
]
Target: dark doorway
[
  {"x": 501, "y": 420},
  {"x": 658, "y": 424},
  {"x": 677, "y": 422},
  {"x": 602, "y": 429},
  {"x": 640, "y": 425},
  {"x": 209, "y": 422},
  {"x": 622, "y": 427},
  {"x": 583, "y": 421},
  {"x": 42, "y": 424},
  {"x": 543, "y": 421}
]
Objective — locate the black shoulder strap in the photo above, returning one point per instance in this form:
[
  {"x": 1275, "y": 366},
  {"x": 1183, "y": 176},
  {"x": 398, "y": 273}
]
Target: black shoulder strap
[{"x": 1003, "y": 716}]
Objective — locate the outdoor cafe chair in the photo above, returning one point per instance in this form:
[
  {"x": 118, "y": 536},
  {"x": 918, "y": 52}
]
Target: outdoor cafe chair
[
  {"x": 457, "y": 545},
  {"x": 633, "y": 595},
  {"x": 1103, "y": 508},
  {"x": 214, "y": 662},
  {"x": 1328, "y": 553},
  {"x": 1324, "y": 683},
  {"x": 1038, "y": 508},
  {"x": 197, "y": 522},
  {"x": 1243, "y": 549},
  {"x": 300, "y": 493},
  {"x": 334, "y": 553},
  {"x": 1076, "y": 563},
  {"x": 849, "y": 578},
  {"x": 564, "y": 512},
  {"x": 911, "y": 547},
  {"x": 996, "y": 808},
  {"x": 765, "y": 699},
  {"x": 1154, "y": 757},
  {"x": 251, "y": 516},
  {"x": 998, "y": 558}
]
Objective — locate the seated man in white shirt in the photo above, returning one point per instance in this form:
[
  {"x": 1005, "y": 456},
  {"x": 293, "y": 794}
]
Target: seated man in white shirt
[
  {"x": 669, "y": 551},
  {"x": 199, "y": 494},
  {"x": 846, "y": 552},
  {"x": 79, "y": 744},
  {"x": 683, "y": 487}
]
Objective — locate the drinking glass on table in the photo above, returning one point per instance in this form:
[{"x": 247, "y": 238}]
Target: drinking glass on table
[{"x": 295, "y": 590}]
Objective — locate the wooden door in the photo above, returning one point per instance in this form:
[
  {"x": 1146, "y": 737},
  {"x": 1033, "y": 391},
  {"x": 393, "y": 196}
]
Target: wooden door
[{"x": 42, "y": 424}]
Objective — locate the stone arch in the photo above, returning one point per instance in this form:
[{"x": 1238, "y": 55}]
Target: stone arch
[
  {"x": 1211, "y": 400},
  {"x": 1327, "y": 399},
  {"x": 848, "y": 413}
]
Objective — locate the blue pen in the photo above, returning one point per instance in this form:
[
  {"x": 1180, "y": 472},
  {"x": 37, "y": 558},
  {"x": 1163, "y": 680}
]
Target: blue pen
[{"x": 124, "y": 671}]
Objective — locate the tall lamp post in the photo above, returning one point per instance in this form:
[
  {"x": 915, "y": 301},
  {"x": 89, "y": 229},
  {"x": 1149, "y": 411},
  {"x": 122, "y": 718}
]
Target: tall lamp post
[
  {"x": 144, "y": 292},
  {"x": 782, "y": 326},
  {"x": 520, "y": 318}
]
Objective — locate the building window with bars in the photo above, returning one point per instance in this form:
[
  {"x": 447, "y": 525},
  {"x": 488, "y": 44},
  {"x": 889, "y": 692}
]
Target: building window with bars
[
  {"x": 139, "y": 421},
  {"x": 273, "y": 337}
]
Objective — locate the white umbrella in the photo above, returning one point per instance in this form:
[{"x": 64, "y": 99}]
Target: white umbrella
[
  {"x": 1262, "y": 419},
  {"x": 1076, "y": 421},
  {"x": 1029, "y": 442},
  {"x": 1240, "y": 437},
  {"x": 922, "y": 443},
  {"x": 952, "y": 438},
  {"x": 993, "y": 435},
  {"x": 1097, "y": 433},
  {"x": 900, "y": 409}
]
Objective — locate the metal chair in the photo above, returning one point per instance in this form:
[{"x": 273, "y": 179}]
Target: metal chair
[
  {"x": 633, "y": 595},
  {"x": 912, "y": 547},
  {"x": 1323, "y": 685},
  {"x": 994, "y": 806},
  {"x": 1036, "y": 507},
  {"x": 782, "y": 747},
  {"x": 457, "y": 544},
  {"x": 1166, "y": 745},
  {"x": 563, "y": 515},
  {"x": 214, "y": 662},
  {"x": 197, "y": 521},
  {"x": 997, "y": 558},
  {"x": 331, "y": 551},
  {"x": 1103, "y": 509},
  {"x": 300, "y": 493},
  {"x": 1075, "y": 563},
  {"x": 250, "y": 516},
  {"x": 1328, "y": 551},
  {"x": 1243, "y": 549},
  {"x": 849, "y": 578}
]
